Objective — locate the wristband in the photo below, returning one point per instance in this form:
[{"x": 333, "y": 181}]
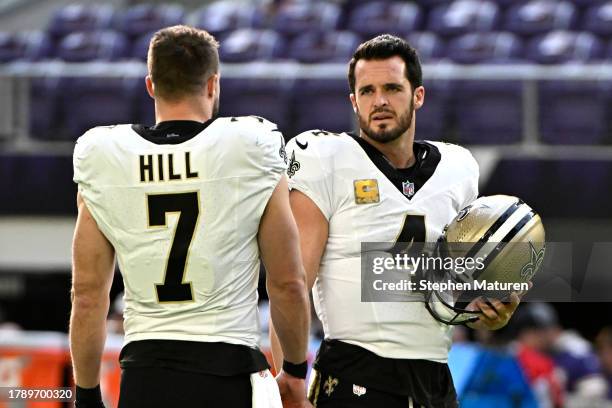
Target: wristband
[
  {"x": 296, "y": 370},
  {"x": 88, "y": 397}
]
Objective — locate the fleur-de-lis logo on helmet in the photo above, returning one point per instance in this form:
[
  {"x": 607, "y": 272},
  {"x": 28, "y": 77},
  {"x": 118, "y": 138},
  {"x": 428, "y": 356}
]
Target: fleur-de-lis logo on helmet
[{"x": 537, "y": 257}]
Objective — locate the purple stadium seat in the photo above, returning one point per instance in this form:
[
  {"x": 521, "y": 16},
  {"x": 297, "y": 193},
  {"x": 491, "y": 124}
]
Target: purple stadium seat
[
  {"x": 521, "y": 177},
  {"x": 598, "y": 19},
  {"x": 507, "y": 3},
  {"x": 331, "y": 46},
  {"x": 45, "y": 122},
  {"x": 140, "y": 46},
  {"x": 585, "y": 179},
  {"x": 373, "y": 18},
  {"x": 474, "y": 48},
  {"x": 463, "y": 16},
  {"x": 144, "y": 108},
  {"x": 430, "y": 3},
  {"x": 38, "y": 45},
  {"x": 322, "y": 104},
  {"x": 540, "y": 16},
  {"x": 587, "y": 3},
  {"x": 296, "y": 18},
  {"x": 432, "y": 118},
  {"x": 28, "y": 46},
  {"x": 560, "y": 47},
  {"x": 487, "y": 112},
  {"x": 263, "y": 97},
  {"x": 580, "y": 184},
  {"x": 574, "y": 112},
  {"x": 251, "y": 44},
  {"x": 83, "y": 97},
  {"x": 222, "y": 17},
  {"x": 10, "y": 47},
  {"x": 81, "y": 17},
  {"x": 92, "y": 46},
  {"x": 353, "y": 4},
  {"x": 429, "y": 46},
  {"x": 144, "y": 18}
]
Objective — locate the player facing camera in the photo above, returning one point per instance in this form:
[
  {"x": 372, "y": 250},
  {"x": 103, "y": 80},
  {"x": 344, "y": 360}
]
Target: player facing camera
[{"x": 504, "y": 240}]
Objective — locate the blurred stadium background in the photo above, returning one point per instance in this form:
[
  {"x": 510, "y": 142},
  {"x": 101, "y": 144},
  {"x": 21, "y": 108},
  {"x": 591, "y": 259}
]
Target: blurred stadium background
[{"x": 525, "y": 84}]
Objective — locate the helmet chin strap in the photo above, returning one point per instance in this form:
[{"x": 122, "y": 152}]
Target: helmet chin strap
[{"x": 462, "y": 316}]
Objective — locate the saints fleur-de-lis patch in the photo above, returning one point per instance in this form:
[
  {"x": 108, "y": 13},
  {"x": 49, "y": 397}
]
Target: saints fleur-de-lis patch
[
  {"x": 294, "y": 165},
  {"x": 330, "y": 385}
]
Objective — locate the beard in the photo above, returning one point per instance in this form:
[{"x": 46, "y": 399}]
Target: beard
[{"x": 386, "y": 134}]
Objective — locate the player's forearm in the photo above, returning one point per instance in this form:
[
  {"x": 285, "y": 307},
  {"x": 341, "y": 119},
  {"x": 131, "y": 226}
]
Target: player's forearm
[
  {"x": 275, "y": 348},
  {"x": 290, "y": 312},
  {"x": 87, "y": 337}
]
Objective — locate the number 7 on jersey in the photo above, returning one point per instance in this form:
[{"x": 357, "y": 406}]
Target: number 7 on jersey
[{"x": 187, "y": 206}]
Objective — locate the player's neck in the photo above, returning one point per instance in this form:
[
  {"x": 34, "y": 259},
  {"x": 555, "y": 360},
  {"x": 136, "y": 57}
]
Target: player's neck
[
  {"x": 182, "y": 110},
  {"x": 399, "y": 152}
]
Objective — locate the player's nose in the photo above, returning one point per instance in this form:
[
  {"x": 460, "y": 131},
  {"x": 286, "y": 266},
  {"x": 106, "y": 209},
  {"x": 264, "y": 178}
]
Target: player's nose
[{"x": 380, "y": 100}]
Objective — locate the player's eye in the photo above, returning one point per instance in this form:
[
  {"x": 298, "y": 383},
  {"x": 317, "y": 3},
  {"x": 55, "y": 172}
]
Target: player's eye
[{"x": 366, "y": 91}]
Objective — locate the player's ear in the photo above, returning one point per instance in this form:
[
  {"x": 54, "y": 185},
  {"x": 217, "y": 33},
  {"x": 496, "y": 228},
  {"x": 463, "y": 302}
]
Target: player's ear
[
  {"x": 212, "y": 85},
  {"x": 418, "y": 97},
  {"x": 353, "y": 102},
  {"x": 150, "y": 87}
]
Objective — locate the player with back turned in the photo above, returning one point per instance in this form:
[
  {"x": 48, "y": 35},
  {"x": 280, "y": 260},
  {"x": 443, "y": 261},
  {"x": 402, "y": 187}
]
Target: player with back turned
[
  {"x": 188, "y": 207},
  {"x": 380, "y": 185}
]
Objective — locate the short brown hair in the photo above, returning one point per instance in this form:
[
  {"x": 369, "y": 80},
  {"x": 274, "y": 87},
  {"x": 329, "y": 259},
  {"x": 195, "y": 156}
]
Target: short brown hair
[
  {"x": 180, "y": 61},
  {"x": 387, "y": 46}
]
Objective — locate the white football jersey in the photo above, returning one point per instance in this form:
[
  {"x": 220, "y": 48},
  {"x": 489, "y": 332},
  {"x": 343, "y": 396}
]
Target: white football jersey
[
  {"x": 183, "y": 219},
  {"x": 362, "y": 204}
]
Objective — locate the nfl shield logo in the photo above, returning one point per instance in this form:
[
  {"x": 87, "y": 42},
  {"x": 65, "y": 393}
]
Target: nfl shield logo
[
  {"x": 358, "y": 390},
  {"x": 408, "y": 188}
]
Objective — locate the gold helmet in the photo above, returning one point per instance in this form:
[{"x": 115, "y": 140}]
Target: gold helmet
[{"x": 506, "y": 238}]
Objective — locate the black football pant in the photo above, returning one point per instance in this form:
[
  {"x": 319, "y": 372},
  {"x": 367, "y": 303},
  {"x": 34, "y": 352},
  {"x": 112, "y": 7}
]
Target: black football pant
[
  {"x": 327, "y": 391},
  {"x": 158, "y": 387}
]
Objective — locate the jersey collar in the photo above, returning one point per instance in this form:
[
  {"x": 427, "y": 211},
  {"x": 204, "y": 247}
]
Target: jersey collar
[
  {"x": 409, "y": 180},
  {"x": 171, "y": 131}
]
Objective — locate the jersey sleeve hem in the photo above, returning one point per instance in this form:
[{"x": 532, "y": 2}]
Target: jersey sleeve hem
[
  {"x": 276, "y": 178},
  {"x": 313, "y": 197},
  {"x": 89, "y": 203}
]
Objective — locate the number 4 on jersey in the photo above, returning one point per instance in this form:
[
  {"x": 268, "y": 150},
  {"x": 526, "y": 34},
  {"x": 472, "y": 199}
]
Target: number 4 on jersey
[
  {"x": 187, "y": 205},
  {"x": 413, "y": 231}
]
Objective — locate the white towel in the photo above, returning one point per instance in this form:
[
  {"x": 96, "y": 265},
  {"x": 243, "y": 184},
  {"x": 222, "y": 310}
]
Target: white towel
[{"x": 265, "y": 390}]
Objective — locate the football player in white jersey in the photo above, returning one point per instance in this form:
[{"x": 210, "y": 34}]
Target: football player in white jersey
[
  {"x": 188, "y": 207},
  {"x": 378, "y": 186}
]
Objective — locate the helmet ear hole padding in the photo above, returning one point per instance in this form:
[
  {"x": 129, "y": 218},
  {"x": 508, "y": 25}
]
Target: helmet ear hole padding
[{"x": 502, "y": 231}]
